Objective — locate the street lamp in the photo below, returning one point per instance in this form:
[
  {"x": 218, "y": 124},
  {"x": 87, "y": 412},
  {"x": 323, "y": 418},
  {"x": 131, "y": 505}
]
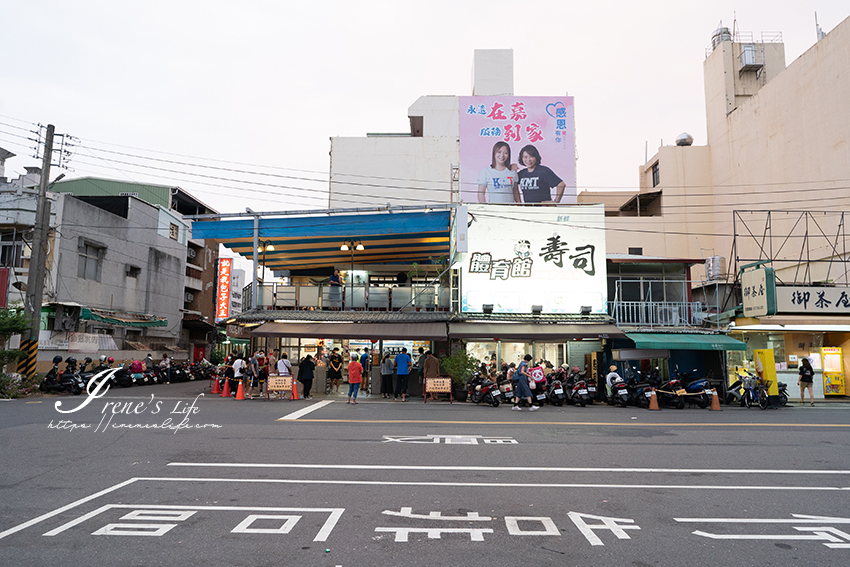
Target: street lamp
[
  {"x": 265, "y": 245},
  {"x": 352, "y": 244}
]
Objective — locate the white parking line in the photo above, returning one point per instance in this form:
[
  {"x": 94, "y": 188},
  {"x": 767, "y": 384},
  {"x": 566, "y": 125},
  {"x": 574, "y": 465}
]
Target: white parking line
[
  {"x": 304, "y": 411},
  {"x": 43, "y": 517},
  {"x": 509, "y": 469}
]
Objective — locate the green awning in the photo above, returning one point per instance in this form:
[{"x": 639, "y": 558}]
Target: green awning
[
  {"x": 673, "y": 341},
  {"x": 122, "y": 319}
]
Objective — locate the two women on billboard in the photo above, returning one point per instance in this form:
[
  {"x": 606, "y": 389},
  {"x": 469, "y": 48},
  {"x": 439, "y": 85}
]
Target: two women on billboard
[{"x": 504, "y": 182}]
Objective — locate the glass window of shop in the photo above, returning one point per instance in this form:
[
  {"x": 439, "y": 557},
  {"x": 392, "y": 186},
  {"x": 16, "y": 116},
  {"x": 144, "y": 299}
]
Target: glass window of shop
[
  {"x": 784, "y": 345},
  {"x": 483, "y": 351}
]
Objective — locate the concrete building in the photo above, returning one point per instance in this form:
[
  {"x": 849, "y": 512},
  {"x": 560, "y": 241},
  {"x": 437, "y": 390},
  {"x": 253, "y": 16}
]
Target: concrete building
[
  {"x": 421, "y": 166},
  {"x": 197, "y": 288},
  {"x": 769, "y": 185}
]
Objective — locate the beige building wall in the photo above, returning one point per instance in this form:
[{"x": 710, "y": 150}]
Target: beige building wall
[
  {"x": 395, "y": 168},
  {"x": 777, "y": 141}
]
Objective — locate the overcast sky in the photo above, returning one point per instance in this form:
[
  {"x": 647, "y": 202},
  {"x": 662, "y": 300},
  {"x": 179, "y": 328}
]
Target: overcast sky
[{"x": 264, "y": 85}]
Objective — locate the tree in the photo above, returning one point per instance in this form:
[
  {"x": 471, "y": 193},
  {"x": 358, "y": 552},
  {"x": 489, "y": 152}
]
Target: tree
[{"x": 12, "y": 322}]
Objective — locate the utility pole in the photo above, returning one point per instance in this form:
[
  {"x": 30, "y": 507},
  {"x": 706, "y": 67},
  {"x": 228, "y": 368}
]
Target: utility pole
[{"x": 38, "y": 259}]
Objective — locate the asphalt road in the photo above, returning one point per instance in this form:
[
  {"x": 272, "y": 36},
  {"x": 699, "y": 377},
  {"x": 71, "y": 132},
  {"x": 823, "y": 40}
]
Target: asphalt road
[{"x": 409, "y": 484}]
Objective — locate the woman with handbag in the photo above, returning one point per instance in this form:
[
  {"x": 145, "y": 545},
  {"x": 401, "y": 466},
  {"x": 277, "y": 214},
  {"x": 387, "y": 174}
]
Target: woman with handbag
[{"x": 522, "y": 382}]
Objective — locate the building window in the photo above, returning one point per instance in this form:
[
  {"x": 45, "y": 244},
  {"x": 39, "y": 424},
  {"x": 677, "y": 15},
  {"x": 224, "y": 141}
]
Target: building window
[
  {"x": 174, "y": 231},
  {"x": 132, "y": 271},
  {"x": 656, "y": 176},
  {"x": 90, "y": 262}
]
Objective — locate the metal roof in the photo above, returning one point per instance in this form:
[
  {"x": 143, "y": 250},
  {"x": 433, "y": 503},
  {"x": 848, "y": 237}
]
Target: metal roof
[{"x": 314, "y": 241}]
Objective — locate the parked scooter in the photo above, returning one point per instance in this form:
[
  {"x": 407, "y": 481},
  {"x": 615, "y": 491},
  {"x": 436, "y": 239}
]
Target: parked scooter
[
  {"x": 482, "y": 389},
  {"x": 63, "y": 382},
  {"x": 555, "y": 389},
  {"x": 538, "y": 392},
  {"x": 619, "y": 392},
  {"x": 671, "y": 393},
  {"x": 697, "y": 388},
  {"x": 576, "y": 388}
]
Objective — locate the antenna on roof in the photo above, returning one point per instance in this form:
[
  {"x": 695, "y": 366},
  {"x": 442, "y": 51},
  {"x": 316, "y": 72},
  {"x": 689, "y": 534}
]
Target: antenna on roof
[{"x": 818, "y": 29}]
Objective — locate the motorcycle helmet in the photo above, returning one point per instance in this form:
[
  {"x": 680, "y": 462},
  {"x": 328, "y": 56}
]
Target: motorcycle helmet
[
  {"x": 70, "y": 360},
  {"x": 478, "y": 388},
  {"x": 87, "y": 360},
  {"x": 110, "y": 360},
  {"x": 57, "y": 359},
  {"x": 103, "y": 358},
  {"x": 576, "y": 369}
]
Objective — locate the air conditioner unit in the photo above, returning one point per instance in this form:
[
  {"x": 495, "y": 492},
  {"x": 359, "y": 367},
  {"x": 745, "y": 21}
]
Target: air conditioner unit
[
  {"x": 191, "y": 253},
  {"x": 189, "y": 297},
  {"x": 68, "y": 324}
]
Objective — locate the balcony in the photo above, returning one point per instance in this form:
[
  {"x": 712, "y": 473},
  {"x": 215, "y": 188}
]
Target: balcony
[
  {"x": 666, "y": 303},
  {"x": 194, "y": 283},
  {"x": 308, "y": 297}
]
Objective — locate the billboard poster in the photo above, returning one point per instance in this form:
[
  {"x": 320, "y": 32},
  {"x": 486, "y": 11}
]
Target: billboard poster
[
  {"x": 520, "y": 257},
  {"x": 516, "y": 149},
  {"x": 222, "y": 301}
]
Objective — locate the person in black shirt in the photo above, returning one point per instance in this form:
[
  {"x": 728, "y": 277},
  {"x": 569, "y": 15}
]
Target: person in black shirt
[{"x": 536, "y": 181}]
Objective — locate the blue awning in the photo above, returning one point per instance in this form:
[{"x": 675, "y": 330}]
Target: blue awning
[{"x": 314, "y": 241}]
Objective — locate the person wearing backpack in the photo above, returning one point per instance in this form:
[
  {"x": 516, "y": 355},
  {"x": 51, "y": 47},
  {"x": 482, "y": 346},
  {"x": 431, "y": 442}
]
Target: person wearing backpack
[{"x": 807, "y": 379}]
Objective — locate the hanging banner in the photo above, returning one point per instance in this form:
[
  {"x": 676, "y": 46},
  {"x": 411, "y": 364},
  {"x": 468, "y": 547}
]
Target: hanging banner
[
  {"x": 517, "y": 149},
  {"x": 222, "y": 302}
]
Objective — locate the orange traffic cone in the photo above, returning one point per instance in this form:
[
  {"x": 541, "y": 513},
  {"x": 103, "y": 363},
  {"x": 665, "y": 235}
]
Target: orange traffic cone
[
  {"x": 216, "y": 389},
  {"x": 240, "y": 392},
  {"x": 653, "y": 401},
  {"x": 294, "y": 394},
  {"x": 226, "y": 392},
  {"x": 715, "y": 401}
]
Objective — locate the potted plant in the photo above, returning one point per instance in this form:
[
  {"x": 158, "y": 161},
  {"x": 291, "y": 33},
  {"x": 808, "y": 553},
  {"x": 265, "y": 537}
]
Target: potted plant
[{"x": 460, "y": 367}]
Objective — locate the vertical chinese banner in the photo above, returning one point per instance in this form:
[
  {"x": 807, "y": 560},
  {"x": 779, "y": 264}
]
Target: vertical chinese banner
[
  {"x": 222, "y": 303},
  {"x": 517, "y": 149},
  {"x": 4, "y": 287}
]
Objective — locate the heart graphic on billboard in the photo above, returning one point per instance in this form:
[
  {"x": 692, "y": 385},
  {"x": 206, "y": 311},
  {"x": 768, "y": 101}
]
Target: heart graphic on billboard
[{"x": 552, "y": 108}]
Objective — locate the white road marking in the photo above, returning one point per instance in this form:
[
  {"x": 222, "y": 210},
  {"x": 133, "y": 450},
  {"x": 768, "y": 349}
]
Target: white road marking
[
  {"x": 509, "y": 469},
  {"x": 57, "y": 511},
  {"x": 304, "y": 411},
  {"x": 333, "y": 514},
  {"x": 501, "y": 484}
]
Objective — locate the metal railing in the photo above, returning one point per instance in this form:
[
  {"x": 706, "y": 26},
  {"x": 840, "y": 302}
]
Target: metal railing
[
  {"x": 312, "y": 297},
  {"x": 662, "y": 305},
  {"x": 658, "y": 314}
]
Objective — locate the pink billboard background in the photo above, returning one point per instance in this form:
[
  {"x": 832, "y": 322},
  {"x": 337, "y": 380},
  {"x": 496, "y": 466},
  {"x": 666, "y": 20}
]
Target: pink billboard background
[{"x": 547, "y": 123}]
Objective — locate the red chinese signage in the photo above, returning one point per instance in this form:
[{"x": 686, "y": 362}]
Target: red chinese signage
[
  {"x": 222, "y": 304},
  {"x": 4, "y": 287}
]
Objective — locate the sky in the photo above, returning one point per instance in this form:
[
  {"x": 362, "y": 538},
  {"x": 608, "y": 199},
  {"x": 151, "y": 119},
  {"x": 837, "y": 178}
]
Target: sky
[{"x": 236, "y": 102}]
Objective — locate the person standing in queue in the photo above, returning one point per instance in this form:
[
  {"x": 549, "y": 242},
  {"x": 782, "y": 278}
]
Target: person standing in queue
[
  {"x": 284, "y": 368},
  {"x": 239, "y": 369},
  {"x": 387, "y": 376},
  {"x": 521, "y": 389},
  {"x": 335, "y": 369},
  {"x": 430, "y": 369},
  {"x": 402, "y": 364},
  {"x": 419, "y": 369},
  {"x": 305, "y": 375},
  {"x": 365, "y": 364},
  {"x": 355, "y": 376}
]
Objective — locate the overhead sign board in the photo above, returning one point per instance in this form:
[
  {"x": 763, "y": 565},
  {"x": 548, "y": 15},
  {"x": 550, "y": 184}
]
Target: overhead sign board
[
  {"x": 813, "y": 300},
  {"x": 523, "y": 257},
  {"x": 758, "y": 288},
  {"x": 222, "y": 301}
]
